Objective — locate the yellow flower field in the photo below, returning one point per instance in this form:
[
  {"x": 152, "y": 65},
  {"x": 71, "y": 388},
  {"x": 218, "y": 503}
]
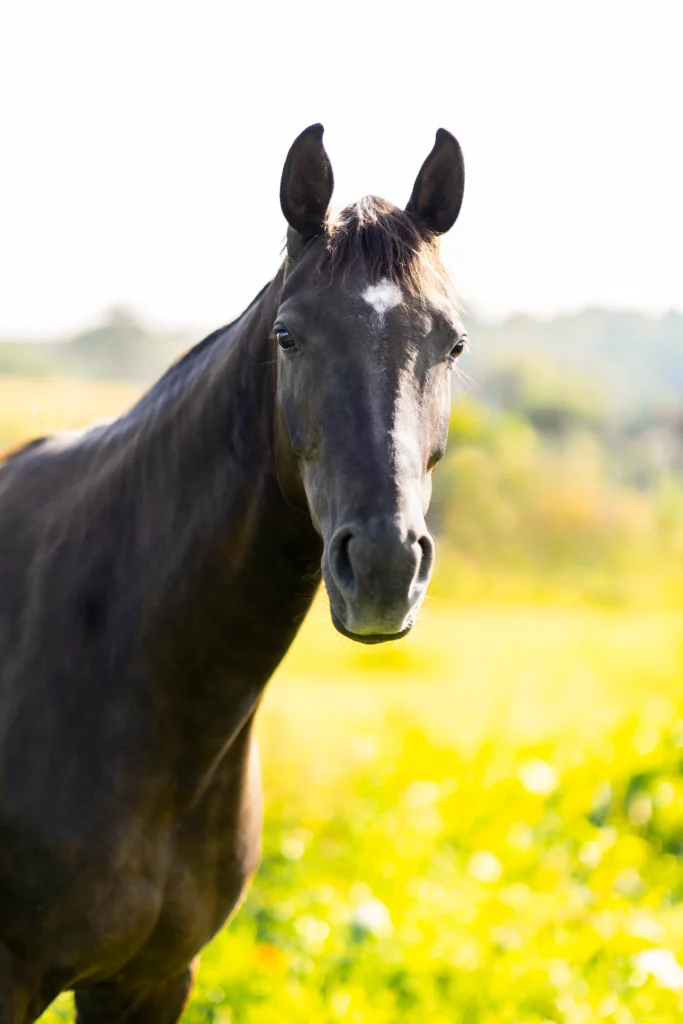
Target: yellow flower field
[{"x": 482, "y": 824}]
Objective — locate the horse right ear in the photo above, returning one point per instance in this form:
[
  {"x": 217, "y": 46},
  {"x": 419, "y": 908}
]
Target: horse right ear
[
  {"x": 438, "y": 191},
  {"x": 307, "y": 183}
]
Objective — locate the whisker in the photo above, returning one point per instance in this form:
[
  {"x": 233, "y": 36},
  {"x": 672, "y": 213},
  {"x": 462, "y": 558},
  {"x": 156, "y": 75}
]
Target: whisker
[{"x": 466, "y": 379}]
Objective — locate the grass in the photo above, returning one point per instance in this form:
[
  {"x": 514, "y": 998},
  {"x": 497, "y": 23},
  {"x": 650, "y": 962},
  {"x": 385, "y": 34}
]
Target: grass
[
  {"x": 33, "y": 407},
  {"x": 482, "y": 824}
]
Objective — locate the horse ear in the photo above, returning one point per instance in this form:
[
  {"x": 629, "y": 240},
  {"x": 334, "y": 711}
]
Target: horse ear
[
  {"x": 439, "y": 187},
  {"x": 307, "y": 183}
]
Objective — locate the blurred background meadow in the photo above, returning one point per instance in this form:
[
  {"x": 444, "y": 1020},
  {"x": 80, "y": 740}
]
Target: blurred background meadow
[{"x": 482, "y": 823}]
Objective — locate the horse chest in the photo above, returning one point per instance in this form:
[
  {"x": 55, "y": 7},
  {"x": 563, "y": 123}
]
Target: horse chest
[{"x": 214, "y": 852}]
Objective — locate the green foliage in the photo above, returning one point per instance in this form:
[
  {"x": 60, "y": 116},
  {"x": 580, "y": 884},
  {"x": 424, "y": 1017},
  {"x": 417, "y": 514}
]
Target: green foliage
[
  {"x": 501, "y": 889},
  {"x": 635, "y": 360},
  {"x": 514, "y": 507},
  {"x": 552, "y": 400}
]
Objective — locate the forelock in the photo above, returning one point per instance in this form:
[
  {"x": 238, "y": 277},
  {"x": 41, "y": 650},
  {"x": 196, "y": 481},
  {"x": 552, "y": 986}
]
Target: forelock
[{"x": 390, "y": 245}]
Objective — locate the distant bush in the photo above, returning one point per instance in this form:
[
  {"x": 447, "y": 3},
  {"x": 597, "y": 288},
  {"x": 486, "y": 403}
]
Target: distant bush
[{"x": 509, "y": 500}]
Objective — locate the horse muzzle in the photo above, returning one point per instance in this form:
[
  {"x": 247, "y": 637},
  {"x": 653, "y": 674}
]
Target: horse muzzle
[{"x": 376, "y": 573}]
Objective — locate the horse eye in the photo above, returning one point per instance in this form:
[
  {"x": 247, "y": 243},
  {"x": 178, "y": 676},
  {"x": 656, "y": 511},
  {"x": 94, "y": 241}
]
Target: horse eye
[
  {"x": 458, "y": 348},
  {"x": 284, "y": 338}
]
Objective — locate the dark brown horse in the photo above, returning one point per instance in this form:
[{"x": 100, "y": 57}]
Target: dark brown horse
[{"x": 154, "y": 571}]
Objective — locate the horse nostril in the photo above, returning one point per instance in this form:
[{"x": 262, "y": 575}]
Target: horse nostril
[
  {"x": 340, "y": 562},
  {"x": 379, "y": 563},
  {"x": 427, "y": 558}
]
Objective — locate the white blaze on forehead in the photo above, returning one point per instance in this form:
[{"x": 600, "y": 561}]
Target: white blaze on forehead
[{"x": 383, "y": 296}]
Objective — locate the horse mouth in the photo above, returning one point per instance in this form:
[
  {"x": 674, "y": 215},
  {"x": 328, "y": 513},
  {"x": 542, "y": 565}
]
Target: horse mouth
[{"x": 368, "y": 638}]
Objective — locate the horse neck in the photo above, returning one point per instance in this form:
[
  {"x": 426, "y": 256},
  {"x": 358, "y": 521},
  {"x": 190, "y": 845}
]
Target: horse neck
[{"x": 224, "y": 569}]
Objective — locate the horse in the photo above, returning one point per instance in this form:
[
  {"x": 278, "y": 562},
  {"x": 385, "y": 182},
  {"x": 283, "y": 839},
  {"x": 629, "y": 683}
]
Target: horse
[{"x": 155, "y": 570}]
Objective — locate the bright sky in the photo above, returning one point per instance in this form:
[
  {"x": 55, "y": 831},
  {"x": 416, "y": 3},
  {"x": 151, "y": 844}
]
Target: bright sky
[{"x": 143, "y": 141}]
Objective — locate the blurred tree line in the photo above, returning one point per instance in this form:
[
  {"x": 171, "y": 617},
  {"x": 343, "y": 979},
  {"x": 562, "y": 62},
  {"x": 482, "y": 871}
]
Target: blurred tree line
[{"x": 120, "y": 348}]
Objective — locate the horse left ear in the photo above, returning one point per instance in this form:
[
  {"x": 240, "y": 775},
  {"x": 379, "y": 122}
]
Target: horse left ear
[
  {"x": 439, "y": 187},
  {"x": 307, "y": 183}
]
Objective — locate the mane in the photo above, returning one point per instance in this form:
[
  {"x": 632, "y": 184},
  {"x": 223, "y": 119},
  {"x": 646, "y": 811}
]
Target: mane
[
  {"x": 22, "y": 448},
  {"x": 390, "y": 244},
  {"x": 168, "y": 384}
]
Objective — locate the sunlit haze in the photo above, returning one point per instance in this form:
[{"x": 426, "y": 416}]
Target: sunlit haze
[{"x": 143, "y": 144}]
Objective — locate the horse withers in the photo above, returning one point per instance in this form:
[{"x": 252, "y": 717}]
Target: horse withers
[{"x": 154, "y": 571}]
